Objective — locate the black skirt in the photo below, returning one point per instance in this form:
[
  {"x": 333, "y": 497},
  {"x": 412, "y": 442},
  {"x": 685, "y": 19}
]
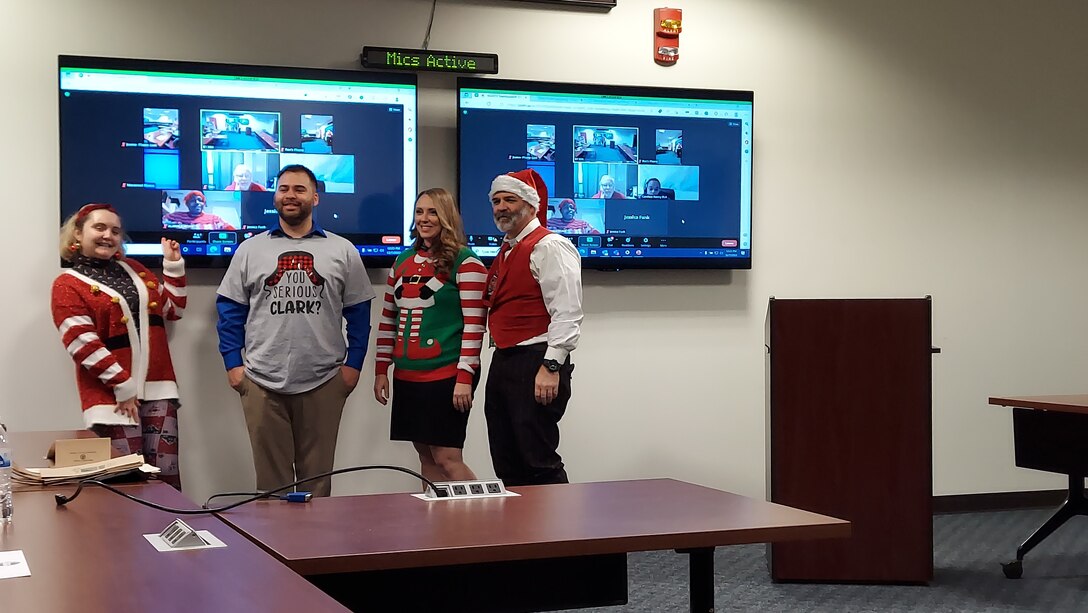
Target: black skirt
[{"x": 423, "y": 413}]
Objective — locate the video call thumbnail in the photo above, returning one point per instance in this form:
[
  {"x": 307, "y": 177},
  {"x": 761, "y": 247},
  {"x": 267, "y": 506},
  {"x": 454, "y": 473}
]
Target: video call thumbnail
[
  {"x": 608, "y": 181},
  {"x": 240, "y": 170},
  {"x": 546, "y": 171},
  {"x": 670, "y": 147},
  {"x": 605, "y": 144},
  {"x": 240, "y": 130},
  {"x": 162, "y": 169},
  {"x": 199, "y": 210},
  {"x": 317, "y": 133},
  {"x": 540, "y": 142},
  {"x": 638, "y": 217},
  {"x": 574, "y": 217},
  {"x": 335, "y": 173},
  {"x": 161, "y": 127},
  {"x": 668, "y": 182}
]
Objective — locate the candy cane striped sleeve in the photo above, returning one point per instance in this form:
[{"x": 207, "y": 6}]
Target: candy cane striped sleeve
[
  {"x": 174, "y": 295},
  {"x": 471, "y": 281},
  {"x": 383, "y": 354},
  {"x": 79, "y": 336}
]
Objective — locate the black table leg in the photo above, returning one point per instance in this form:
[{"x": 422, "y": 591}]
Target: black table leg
[
  {"x": 1075, "y": 504},
  {"x": 701, "y": 578}
]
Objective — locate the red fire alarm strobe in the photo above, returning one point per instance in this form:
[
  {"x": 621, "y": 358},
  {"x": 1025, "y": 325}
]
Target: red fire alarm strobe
[{"x": 667, "y": 25}]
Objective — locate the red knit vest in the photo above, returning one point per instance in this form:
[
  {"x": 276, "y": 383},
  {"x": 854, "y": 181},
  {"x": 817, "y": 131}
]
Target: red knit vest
[{"x": 516, "y": 310}]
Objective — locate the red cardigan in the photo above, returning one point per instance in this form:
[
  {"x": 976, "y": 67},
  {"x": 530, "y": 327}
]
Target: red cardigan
[{"x": 114, "y": 362}]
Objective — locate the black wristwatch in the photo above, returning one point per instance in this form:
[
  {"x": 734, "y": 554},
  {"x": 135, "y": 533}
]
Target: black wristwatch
[{"x": 552, "y": 365}]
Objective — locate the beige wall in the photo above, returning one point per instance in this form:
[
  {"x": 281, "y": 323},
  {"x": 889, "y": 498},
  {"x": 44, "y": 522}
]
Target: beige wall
[{"x": 902, "y": 149}]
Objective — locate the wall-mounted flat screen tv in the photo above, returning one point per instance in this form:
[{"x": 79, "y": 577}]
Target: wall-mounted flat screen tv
[
  {"x": 638, "y": 177},
  {"x": 190, "y": 151}
]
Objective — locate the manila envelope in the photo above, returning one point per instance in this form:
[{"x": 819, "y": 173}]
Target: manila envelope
[{"x": 73, "y": 452}]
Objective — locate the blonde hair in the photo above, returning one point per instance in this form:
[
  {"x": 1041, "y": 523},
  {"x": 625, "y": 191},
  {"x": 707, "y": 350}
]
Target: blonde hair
[
  {"x": 452, "y": 237},
  {"x": 68, "y": 234}
]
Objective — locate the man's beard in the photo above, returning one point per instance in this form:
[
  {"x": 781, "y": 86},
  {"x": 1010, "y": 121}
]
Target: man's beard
[
  {"x": 515, "y": 219},
  {"x": 293, "y": 219}
]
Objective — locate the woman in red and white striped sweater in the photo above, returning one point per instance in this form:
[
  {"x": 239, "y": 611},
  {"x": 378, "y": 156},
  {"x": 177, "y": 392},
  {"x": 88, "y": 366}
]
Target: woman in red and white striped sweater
[
  {"x": 111, "y": 316},
  {"x": 431, "y": 332}
]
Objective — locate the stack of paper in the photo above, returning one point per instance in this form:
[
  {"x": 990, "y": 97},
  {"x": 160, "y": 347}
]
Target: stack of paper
[{"x": 73, "y": 474}]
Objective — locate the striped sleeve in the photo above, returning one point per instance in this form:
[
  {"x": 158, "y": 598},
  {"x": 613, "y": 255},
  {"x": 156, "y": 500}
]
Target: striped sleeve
[
  {"x": 383, "y": 353},
  {"x": 75, "y": 323},
  {"x": 471, "y": 280},
  {"x": 173, "y": 289}
]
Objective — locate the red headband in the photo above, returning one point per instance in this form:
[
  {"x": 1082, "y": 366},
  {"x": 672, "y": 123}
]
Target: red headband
[{"x": 88, "y": 208}]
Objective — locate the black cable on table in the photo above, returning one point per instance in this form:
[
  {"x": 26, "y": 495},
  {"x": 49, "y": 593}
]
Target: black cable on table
[{"x": 63, "y": 500}]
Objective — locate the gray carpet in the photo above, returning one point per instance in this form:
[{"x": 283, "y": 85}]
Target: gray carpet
[{"x": 968, "y": 550}]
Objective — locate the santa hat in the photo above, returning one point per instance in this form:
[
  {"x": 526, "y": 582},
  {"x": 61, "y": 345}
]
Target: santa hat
[{"x": 526, "y": 184}]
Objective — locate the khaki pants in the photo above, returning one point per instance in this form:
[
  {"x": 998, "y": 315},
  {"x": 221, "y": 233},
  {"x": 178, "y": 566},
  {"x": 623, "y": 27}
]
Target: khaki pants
[{"x": 294, "y": 434}]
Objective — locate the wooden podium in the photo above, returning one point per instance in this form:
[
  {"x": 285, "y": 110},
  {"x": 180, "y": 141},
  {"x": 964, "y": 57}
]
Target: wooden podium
[{"x": 851, "y": 435}]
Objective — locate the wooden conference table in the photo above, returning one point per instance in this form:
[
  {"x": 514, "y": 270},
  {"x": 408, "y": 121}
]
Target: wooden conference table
[
  {"x": 1049, "y": 433},
  {"x": 555, "y": 546},
  {"x": 91, "y": 556}
]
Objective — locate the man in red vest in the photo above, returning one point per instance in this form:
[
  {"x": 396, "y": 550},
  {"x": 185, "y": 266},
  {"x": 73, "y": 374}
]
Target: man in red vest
[{"x": 534, "y": 297}]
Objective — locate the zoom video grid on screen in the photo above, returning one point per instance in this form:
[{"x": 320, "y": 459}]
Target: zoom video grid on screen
[
  {"x": 637, "y": 177},
  {"x": 191, "y": 151}
]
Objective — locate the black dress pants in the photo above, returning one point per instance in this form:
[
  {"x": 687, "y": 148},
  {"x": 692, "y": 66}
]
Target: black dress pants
[{"x": 524, "y": 434}]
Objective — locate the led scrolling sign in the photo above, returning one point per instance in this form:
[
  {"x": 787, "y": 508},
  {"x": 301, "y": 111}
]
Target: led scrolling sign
[{"x": 394, "y": 58}]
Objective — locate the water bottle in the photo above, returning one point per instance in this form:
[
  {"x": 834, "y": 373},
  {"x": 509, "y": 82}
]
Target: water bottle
[{"x": 6, "y": 503}]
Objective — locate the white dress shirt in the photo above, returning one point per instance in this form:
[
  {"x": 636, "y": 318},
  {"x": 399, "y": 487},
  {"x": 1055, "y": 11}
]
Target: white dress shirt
[{"x": 557, "y": 267}]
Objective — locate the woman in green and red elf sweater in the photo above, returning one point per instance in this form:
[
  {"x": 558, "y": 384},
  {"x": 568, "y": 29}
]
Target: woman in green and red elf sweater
[{"x": 431, "y": 331}]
